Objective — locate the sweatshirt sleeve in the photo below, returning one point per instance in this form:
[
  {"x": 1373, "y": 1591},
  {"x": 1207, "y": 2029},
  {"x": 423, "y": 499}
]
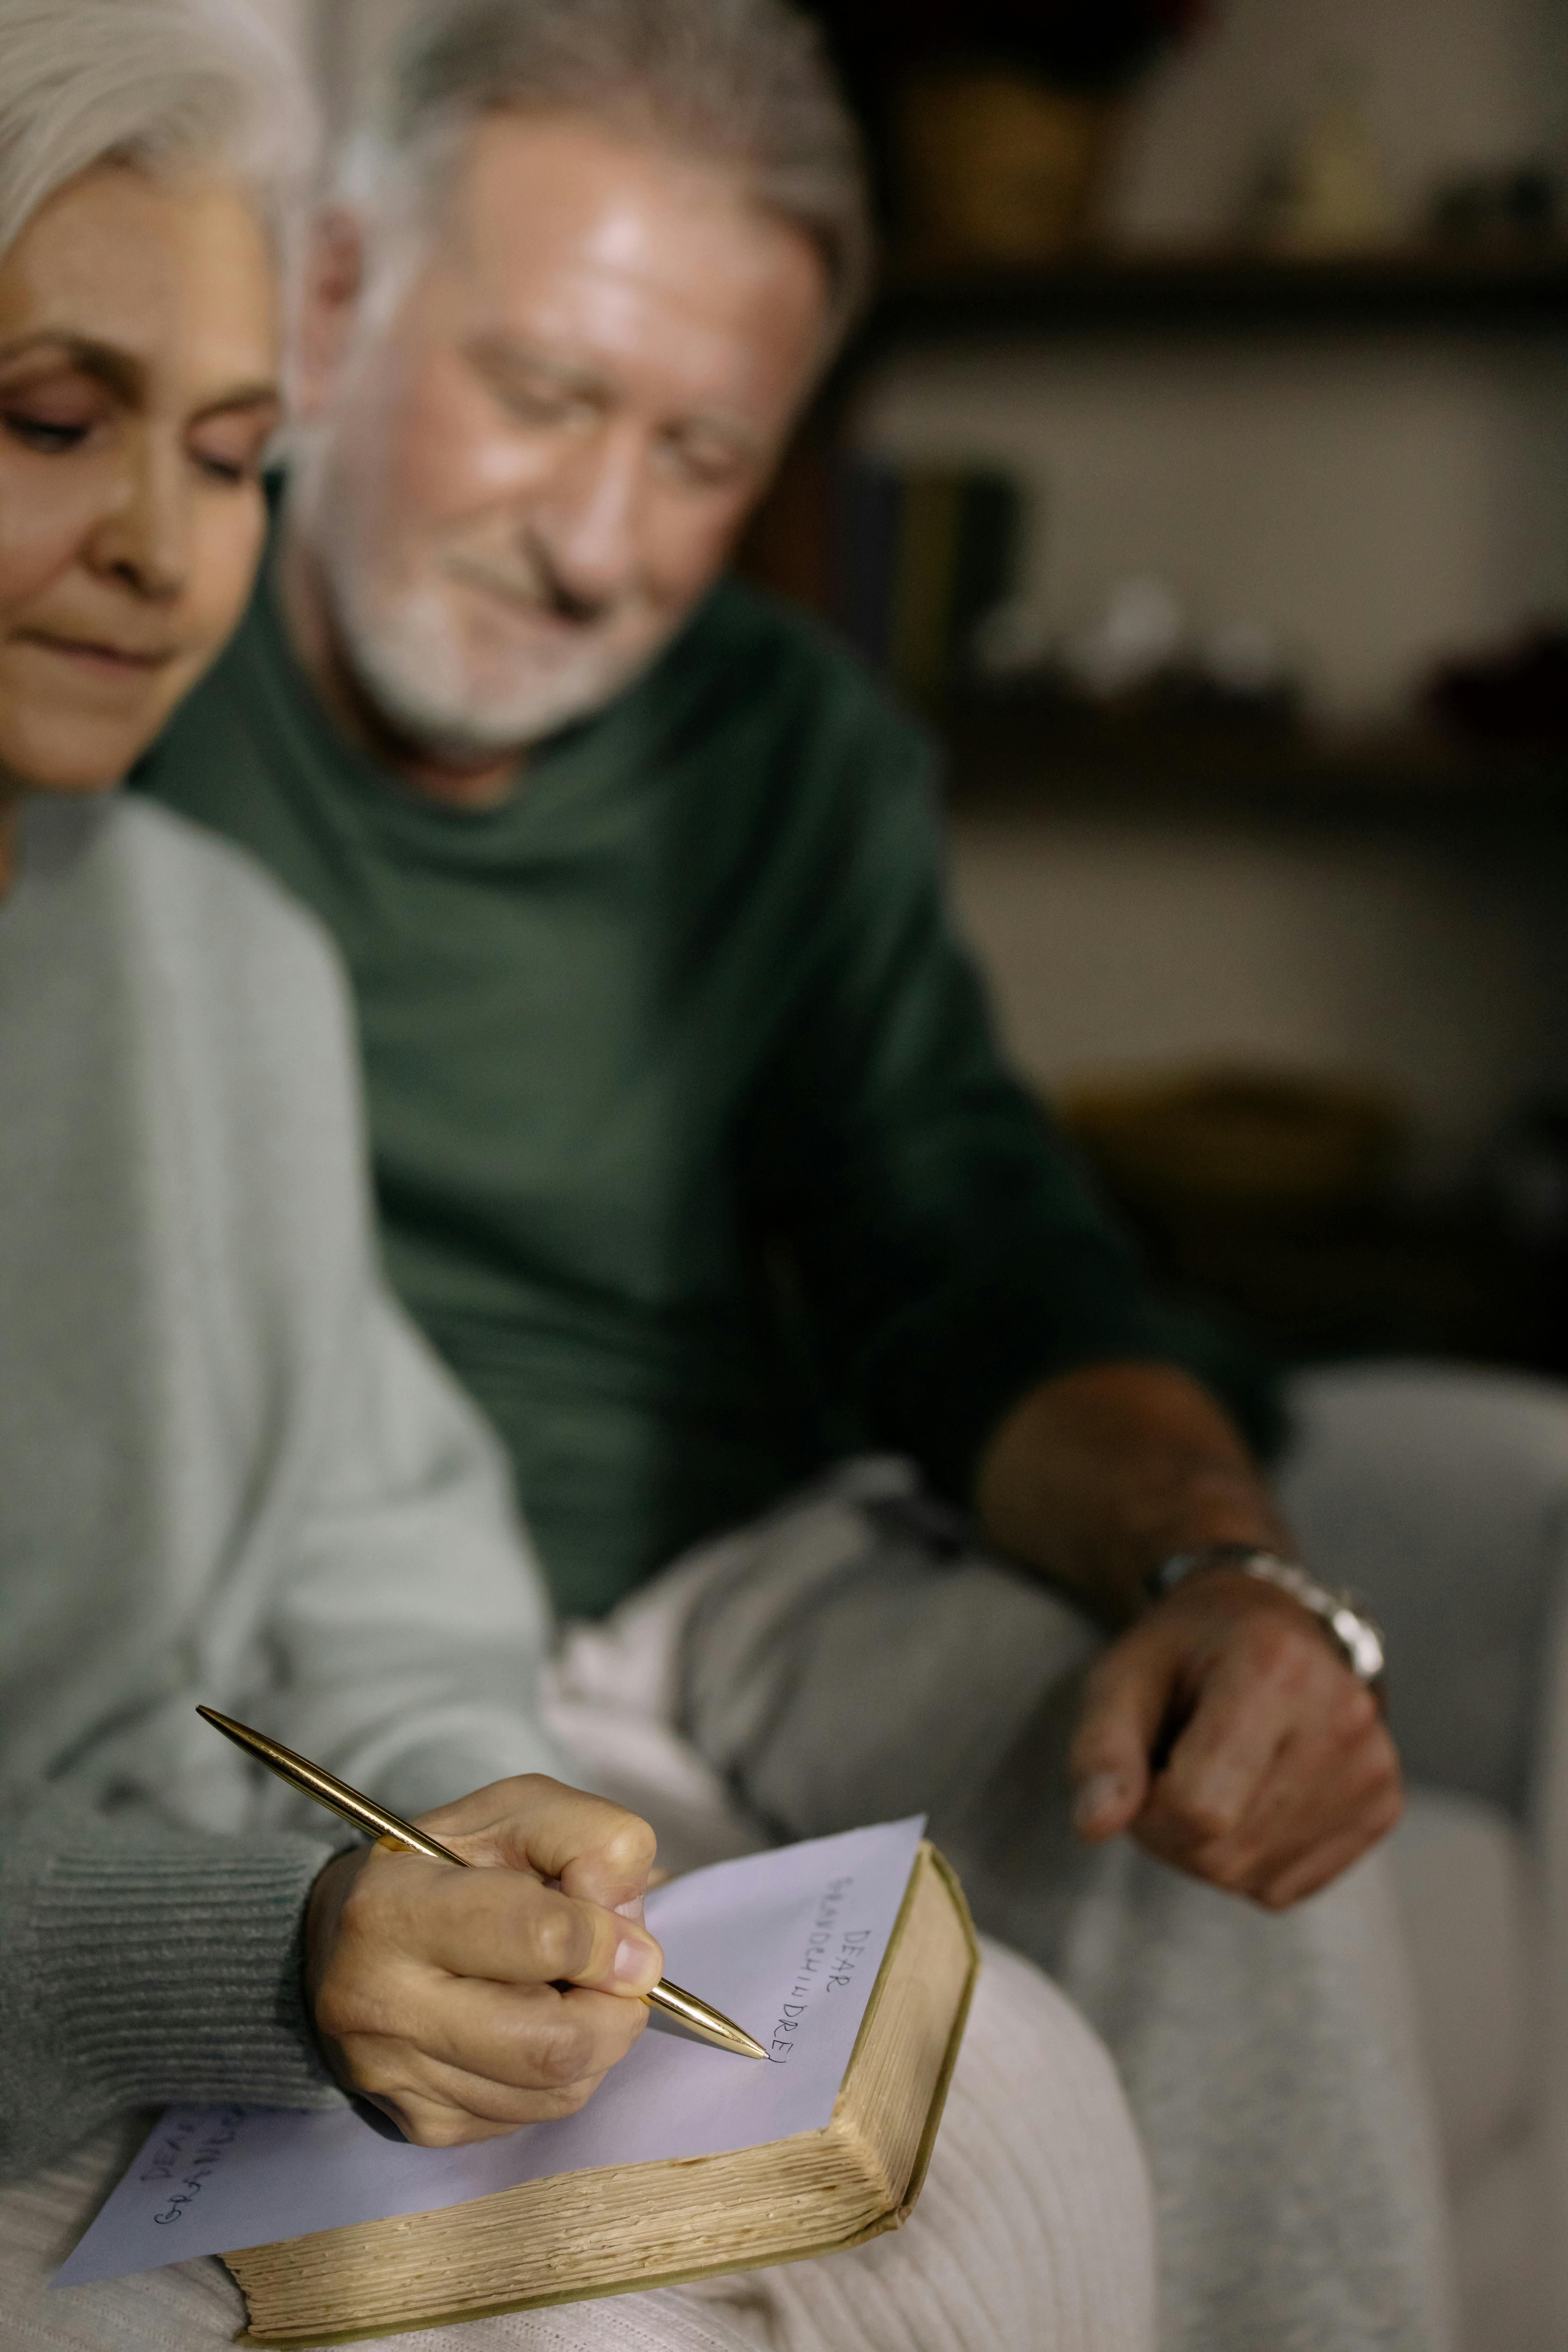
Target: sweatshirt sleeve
[
  {"x": 948, "y": 1250},
  {"x": 140, "y": 1962},
  {"x": 397, "y": 1629},
  {"x": 143, "y": 1960},
  {"x": 410, "y": 1630}
]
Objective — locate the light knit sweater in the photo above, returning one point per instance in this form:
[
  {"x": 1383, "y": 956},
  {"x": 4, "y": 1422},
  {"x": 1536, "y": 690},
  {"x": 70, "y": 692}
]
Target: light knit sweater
[{"x": 229, "y": 1471}]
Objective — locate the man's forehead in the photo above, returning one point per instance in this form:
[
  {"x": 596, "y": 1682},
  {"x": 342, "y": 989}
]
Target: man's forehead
[{"x": 561, "y": 236}]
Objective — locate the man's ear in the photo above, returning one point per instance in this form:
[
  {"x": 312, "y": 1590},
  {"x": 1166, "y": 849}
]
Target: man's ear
[{"x": 333, "y": 282}]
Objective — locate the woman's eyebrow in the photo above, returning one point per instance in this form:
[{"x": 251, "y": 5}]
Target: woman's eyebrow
[
  {"x": 126, "y": 375},
  {"x": 119, "y": 370}
]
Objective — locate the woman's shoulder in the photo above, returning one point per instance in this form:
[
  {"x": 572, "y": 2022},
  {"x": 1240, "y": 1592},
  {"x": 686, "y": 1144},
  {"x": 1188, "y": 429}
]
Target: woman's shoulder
[
  {"x": 223, "y": 963},
  {"x": 212, "y": 906},
  {"x": 204, "y": 872}
]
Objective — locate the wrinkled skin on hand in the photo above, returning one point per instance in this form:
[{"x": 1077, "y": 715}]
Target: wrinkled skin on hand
[
  {"x": 466, "y": 2003},
  {"x": 1227, "y": 1733},
  {"x": 1222, "y": 1729}
]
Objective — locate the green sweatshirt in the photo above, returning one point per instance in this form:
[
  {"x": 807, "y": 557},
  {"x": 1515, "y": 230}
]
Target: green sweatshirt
[{"x": 695, "y": 1155}]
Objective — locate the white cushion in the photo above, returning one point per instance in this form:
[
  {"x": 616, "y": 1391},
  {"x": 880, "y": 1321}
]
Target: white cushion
[{"x": 1462, "y": 1876}]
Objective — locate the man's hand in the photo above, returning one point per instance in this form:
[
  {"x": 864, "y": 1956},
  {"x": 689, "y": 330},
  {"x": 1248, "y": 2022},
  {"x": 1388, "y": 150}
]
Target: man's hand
[
  {"x": 1223, "y": 1729},
  {"x": 1226, "y": 1733},
  {"x": 465, "y": 2002}
]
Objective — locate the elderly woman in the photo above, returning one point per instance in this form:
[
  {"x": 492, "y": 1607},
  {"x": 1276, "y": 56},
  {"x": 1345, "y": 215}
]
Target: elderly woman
[
  {"x": 226, "y": 1467},
  {"x": 228, "y": 1470}
]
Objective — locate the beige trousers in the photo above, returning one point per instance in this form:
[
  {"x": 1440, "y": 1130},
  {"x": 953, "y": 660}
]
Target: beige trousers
[{"x": 1033, "y": 2235}]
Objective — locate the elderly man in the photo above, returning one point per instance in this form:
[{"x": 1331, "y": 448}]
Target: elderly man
[{"x": 696, "y": 1158}]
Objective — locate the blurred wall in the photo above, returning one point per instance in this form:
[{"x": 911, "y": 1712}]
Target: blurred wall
[{"x": 1434, "y": 961}]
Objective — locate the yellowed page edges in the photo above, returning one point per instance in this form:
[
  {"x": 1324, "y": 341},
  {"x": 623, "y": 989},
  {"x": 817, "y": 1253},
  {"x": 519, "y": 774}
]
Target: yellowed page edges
[{"x": 892, "y": 2220}]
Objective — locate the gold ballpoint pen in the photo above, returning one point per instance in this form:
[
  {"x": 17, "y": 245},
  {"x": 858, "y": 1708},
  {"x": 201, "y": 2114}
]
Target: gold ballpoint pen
[{"x": 377, "y": 1823}]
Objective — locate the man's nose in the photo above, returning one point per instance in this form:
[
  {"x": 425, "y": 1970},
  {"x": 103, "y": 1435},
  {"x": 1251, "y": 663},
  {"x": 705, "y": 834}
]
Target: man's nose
[
  {"x": 591, "y": 520},
  {"x": 143, "y": 535}
]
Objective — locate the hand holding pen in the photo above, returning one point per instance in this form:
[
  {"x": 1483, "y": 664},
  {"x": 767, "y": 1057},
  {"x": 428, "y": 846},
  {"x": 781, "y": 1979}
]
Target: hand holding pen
[{"x": 466, "y": 2002}]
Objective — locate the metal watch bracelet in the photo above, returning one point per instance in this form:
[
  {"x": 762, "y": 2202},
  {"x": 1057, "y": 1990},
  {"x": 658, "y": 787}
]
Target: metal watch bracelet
[{"x": 1355, "y": 1633}]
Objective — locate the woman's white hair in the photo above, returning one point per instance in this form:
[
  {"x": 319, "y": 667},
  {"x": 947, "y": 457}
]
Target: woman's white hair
[{"x": 163, "y": 86}]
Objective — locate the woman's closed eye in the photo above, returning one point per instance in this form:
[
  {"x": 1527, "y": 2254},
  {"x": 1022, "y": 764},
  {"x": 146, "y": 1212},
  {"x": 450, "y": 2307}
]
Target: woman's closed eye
[
  {"x": 38, "y": 433},
  {"x": 56, "y": 412},
  {"x": 230, "y": 445},
  {"x": 61, "y": 408}
]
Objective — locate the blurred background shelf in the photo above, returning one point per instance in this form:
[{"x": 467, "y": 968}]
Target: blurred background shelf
[
  {"x": 1022, "y": 754},
  {"x": 1178, "y": 292},
  {"x": 1400, "y": 1278}
]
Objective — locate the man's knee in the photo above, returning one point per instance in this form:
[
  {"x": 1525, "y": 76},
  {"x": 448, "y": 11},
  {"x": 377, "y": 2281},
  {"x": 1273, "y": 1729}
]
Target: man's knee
[{"x": 843, "y": 1668}]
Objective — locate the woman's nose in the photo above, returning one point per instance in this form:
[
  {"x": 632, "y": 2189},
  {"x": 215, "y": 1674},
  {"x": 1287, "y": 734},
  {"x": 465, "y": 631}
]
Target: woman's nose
[{"x": 144, "y": 534}]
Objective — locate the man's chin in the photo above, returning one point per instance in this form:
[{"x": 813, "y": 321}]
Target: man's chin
[
  {"x": 476, "y": 712},
  {"x": 483, "y": 732}
]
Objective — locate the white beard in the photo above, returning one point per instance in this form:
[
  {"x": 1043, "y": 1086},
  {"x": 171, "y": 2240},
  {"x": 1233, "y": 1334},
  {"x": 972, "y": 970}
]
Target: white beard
[{"x": 410, "y": 655}]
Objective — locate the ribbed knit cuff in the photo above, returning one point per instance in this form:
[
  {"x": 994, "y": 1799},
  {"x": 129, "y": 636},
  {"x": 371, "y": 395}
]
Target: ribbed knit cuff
[{"x": 142, "y": 1963}]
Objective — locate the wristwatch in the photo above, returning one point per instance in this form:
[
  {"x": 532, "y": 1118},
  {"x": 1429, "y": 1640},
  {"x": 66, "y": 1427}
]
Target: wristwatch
[{"x": 1344, "y": 1618}]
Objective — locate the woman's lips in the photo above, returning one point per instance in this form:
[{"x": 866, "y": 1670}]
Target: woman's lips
[{"x": 97, "y": 654}]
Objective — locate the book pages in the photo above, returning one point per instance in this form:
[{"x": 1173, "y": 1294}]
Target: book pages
[{"x": 787, "y": 1943}]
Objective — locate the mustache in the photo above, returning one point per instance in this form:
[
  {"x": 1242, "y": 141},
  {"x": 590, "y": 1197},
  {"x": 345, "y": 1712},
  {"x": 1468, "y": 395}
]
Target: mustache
[{"x": 535, "y": 585}]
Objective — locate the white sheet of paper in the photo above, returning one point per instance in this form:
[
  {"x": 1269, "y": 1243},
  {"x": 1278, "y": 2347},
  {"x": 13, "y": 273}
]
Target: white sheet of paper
[{"x": 787, "y": 1943}]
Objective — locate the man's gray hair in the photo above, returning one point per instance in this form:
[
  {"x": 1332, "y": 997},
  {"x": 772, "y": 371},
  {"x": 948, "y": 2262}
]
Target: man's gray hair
[
  {"x": 742, "y": 85},
  {"x": 162, "y": 85}
]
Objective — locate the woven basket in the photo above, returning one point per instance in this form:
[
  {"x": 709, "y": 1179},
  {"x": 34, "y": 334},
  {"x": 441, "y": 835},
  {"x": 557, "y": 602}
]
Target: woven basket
[
  {"x": 997, "y": 168},
  {"x": 1237, "y": 1139}
]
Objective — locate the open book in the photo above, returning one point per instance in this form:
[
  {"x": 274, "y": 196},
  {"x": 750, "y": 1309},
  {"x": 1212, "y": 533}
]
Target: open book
[{"x": 851, "y": 1958}]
